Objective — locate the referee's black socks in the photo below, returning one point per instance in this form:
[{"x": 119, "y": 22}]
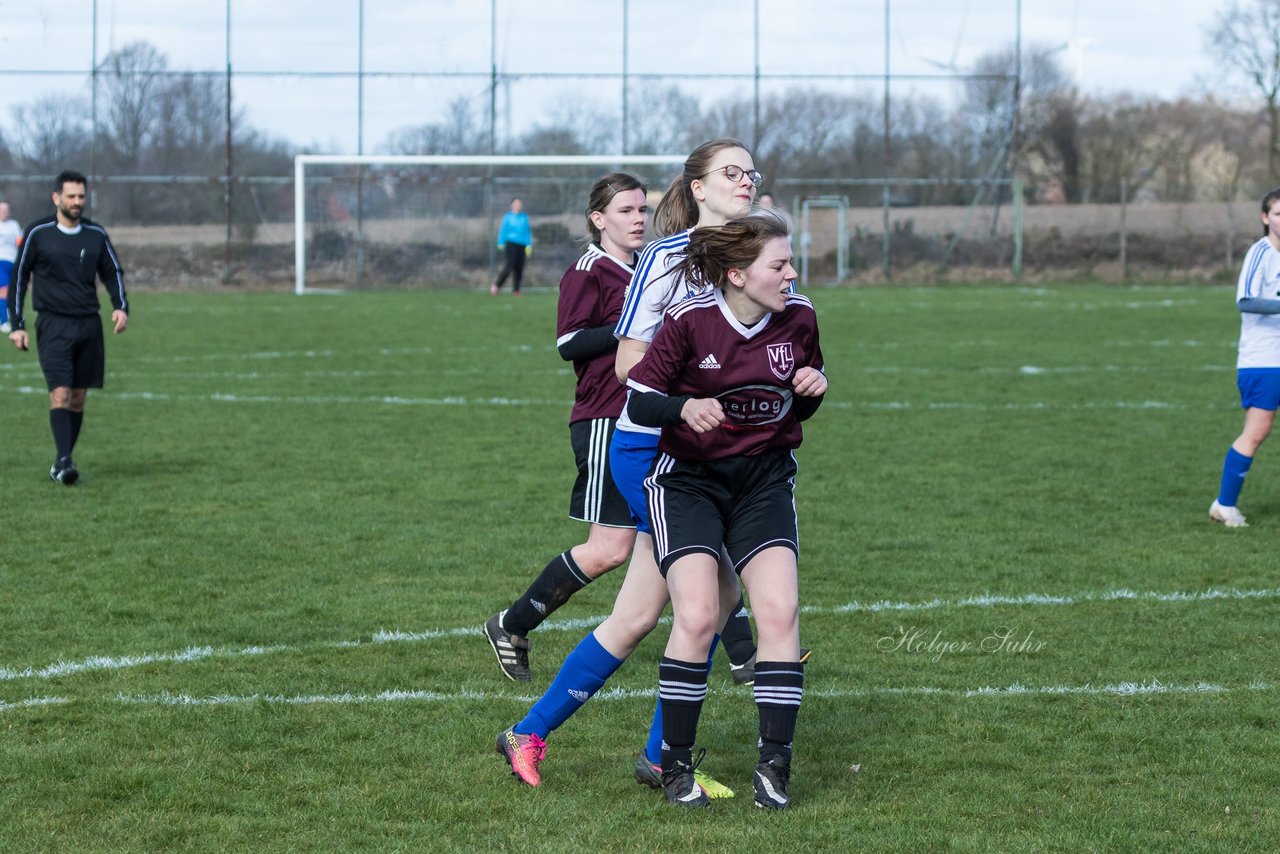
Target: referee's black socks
[
  {"x": 77, "y": 418},
  {"x": 60, "y": 422},
  {"x": 559, "y": 579}
]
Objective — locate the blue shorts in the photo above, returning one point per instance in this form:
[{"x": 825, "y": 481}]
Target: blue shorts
[
  {"x": 630, "y": 458},
  {"x": 1259, "y": 388}
]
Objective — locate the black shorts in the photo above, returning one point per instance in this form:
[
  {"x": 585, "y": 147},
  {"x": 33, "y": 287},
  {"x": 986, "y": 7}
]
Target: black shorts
[
  {"x": 595, "y": 497},
  {"x": 746, "y": 503},
  {"x": 71, "y": 351}
]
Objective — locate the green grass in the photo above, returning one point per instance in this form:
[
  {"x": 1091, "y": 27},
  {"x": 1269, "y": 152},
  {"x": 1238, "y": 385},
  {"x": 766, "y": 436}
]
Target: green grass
[{"x": 296, "y": 512}]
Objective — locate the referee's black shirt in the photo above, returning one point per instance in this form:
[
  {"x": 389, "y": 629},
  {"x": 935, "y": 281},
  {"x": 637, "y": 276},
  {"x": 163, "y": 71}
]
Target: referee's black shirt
[{"x": 60, "y": 269}]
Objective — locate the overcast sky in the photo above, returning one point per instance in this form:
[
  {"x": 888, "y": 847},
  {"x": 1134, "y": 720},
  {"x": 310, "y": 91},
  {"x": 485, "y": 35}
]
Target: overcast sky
[{"x": 1152, "y": 47}]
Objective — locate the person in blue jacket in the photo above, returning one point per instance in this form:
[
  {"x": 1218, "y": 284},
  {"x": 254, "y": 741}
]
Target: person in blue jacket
[{"x": 516, "y": 240}]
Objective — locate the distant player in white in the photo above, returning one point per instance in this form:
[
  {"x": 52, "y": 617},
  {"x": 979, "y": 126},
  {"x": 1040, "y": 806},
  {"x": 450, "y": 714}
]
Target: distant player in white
[
  {"x": 1258, "y": 363},
  {"x": 10, "y": 237}
]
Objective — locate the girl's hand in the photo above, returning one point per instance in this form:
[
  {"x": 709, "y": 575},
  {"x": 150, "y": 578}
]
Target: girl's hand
[
  {"x": 809, "y": 382},
  {"x": 702, "y": 413}
]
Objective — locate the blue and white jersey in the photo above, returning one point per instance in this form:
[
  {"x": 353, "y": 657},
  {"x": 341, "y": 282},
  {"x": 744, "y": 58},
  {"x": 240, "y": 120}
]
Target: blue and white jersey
[
  {"x": 1259, "y": 333},
  {"x": 652, "y": 291}
]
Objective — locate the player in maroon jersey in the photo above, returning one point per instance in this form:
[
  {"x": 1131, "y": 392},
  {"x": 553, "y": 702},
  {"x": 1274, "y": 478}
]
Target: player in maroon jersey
[
  {"x": 730, "y": 377},
  {"x": 591, "y": 294}
]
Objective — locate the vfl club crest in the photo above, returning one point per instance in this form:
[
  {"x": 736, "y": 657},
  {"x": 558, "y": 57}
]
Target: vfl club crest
[{"x": 781, "y": 361}]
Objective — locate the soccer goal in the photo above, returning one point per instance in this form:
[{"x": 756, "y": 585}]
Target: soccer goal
[{"x": 371, "y": 221}]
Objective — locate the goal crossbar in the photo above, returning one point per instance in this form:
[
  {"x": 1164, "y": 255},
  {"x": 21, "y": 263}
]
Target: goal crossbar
[{"x": 302, "y": 161}]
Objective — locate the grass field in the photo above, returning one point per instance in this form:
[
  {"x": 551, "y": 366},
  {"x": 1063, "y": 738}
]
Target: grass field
[{"x": 254, "y": 625}]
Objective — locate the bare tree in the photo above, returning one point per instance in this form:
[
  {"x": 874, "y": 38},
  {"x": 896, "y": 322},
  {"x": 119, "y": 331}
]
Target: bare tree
[
  {"x": 51, "y": 133},
  {"x": 1246, "y": 38}
]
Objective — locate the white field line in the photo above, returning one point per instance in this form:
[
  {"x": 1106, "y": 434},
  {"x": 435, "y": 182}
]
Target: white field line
[
  {"x": 33, "y": 702},
  {"x": 872, "y": 406},
  {"x": 1118, "y": 689},
  {"x": 992, "y": 601},
  {"x": 204, "y": 653}
]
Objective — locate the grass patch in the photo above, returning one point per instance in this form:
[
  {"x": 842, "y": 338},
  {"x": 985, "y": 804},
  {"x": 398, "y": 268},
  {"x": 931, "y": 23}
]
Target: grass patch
[{"x": 254, "y": 625}]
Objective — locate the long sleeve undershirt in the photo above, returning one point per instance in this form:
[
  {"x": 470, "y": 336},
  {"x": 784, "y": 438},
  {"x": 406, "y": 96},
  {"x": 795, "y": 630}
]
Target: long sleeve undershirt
[
  {"x": 1259, "y": 305},
  {"x": 588, "y": 343}
]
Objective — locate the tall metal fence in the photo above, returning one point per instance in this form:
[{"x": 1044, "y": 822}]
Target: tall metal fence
[{"x": 271, "y": 80}]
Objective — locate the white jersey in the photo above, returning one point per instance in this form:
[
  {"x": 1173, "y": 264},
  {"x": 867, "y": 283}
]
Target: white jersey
[
  {"x": 10, "y": 231},
  {"x": 652, "y": 291},
  {"x": 1259, "y": 333}
]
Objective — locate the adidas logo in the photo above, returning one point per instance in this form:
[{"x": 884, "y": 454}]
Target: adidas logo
[
  {"x": 709, "y": 363},
  {"x": 580, "y": 696},
  {"x": 538, "y": 606}
]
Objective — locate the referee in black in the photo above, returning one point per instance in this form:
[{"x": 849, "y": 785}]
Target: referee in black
[{"x": 61, "y": 258}]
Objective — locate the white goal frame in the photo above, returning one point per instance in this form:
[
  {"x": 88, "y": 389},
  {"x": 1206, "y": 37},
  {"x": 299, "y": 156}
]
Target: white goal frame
[{"x": 301, "y": 161}]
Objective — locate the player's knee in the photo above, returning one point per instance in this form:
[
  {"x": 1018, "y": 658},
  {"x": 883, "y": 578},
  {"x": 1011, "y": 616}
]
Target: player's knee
[
  {"x": 637, "y": 623},
  {"x": 775, "y": 621},
  {"x": 595, "y": 562},
  {"x": 698, "y": 620}
]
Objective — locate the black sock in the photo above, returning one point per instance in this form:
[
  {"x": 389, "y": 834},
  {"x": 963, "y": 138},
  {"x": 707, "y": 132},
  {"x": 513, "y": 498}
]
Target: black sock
[
  {"x": 736, "y": 637},
  {"x": 60, "y": 424},
  {"x": 559, "y": 579},
  {"x": 682, "y": 686},
  {"x": 77, "y": 418},
  {"x": 778, "y": 691}
]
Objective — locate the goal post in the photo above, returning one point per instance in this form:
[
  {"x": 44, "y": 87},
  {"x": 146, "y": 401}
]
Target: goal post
[{"x": 384, "y": 170}]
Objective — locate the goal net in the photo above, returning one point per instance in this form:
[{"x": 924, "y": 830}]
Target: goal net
[{"x": 430, "y": 221}]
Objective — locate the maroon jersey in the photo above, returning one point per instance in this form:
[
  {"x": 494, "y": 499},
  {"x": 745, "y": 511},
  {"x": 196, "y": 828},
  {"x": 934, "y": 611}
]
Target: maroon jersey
[
  {"x": 591, "y": 295},
  {"x": 704, "y": 351}
]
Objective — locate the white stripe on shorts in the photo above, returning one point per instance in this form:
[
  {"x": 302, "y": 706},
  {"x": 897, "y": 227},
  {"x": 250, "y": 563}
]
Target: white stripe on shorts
[{"x": 656, "y": 498}]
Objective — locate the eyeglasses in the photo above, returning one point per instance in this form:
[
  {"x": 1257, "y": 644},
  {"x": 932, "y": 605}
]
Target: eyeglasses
[{"x": 735, "y": 173}]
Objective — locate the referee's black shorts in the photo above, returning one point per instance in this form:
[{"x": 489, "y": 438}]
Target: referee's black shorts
[
  {"x": 71, "y": 350},
  {"x": 746, "y": 503},
  {"x": 595, "y": 497}
]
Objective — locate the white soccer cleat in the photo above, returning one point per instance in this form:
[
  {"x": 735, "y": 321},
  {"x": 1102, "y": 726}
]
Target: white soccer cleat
[{"x": 1229, "y": 516}]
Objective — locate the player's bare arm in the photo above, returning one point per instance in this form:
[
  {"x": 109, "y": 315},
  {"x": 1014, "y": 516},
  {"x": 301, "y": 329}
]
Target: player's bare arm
[{"x": 630, "y": 352}]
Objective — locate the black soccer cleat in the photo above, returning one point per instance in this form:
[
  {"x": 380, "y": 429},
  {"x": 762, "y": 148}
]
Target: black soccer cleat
[
  {"x": 680, "y": 787},
  {"x": 512, "y": 650},
  {"x": 771, "y": 781},
  {"x": 64, "y": 472}
]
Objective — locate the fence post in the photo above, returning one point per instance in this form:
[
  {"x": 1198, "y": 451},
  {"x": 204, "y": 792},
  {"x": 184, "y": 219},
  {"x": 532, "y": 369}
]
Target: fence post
[
  {"x": 1017, "y": 227},
  {"x": 1124, "y": 233}
]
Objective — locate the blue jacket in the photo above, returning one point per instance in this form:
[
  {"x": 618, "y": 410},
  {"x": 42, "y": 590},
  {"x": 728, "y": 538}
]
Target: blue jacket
[{"x": 515, "y": 229}]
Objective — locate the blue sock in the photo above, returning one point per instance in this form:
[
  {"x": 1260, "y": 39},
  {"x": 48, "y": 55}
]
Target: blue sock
[
  {"x": 653, "y": 747},
  {"x": 1234, "y": 469},
  {"x": 579, "y": 678}
]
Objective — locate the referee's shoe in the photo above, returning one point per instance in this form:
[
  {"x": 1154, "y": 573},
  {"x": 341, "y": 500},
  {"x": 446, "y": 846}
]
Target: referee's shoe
[{"x": 64, "y": 472}]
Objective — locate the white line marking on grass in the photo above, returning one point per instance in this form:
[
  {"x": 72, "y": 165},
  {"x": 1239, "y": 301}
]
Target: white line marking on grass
[
  {"x": 98, "y": 662},
  {"x": 229, "y": 397},
  {"x": 203, "y": 653},
  {"x": 991, "y": 601},
  {"x": 391, "y": 400},
  {"x": 1118, "y": 689},
  {"x": 33, "y": 702}
]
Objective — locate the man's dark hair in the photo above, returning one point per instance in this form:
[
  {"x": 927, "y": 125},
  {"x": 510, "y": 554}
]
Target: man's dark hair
[{"x": 69, "y": 175}]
